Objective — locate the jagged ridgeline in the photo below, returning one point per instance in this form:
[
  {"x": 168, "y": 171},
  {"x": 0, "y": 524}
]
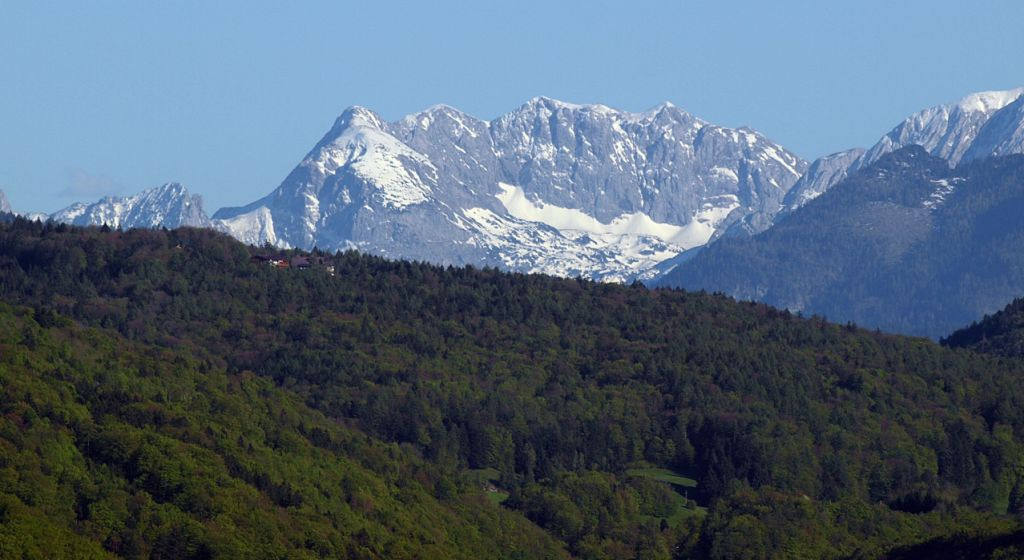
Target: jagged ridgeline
[{"x": 168, "y": 387}]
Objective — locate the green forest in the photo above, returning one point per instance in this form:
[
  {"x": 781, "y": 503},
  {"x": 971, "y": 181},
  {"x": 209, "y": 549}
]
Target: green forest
[{"x": 166, "y": 395}]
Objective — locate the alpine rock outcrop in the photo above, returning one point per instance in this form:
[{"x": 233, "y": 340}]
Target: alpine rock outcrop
[
  {"x": 551, "y": 187},
  {"x": 5, "y": 206}
]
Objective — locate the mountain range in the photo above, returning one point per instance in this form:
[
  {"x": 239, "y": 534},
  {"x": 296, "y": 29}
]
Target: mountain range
[{"x": 552, "y": 187}]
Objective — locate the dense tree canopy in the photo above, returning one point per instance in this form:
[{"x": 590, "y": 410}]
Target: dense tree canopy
[{"x": 1001, "y": 334}]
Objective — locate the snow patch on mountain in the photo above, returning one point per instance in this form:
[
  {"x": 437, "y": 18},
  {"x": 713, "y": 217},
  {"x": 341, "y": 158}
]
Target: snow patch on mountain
[
  {"x": 538, "y": 237},
  {"x": 379, "y": 157},
  {"x": 697, "y": 232},
  {"x": 943, "y": 188},
  {"x": 534, "y": 247},
  {"x": 725, "y": 173},
  {"x": 989, "y": 101}
]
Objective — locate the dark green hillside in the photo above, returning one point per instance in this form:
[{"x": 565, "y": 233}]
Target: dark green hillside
[
  {"x": 1001, "y": 334},
  {"x": 110, "y": 447},
  {"x": 805, "y": 438},
  {"x": 906, "y": 245}
]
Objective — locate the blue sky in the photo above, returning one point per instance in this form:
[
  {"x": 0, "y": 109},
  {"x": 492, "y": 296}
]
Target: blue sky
[{"x": 107, "y": 97}]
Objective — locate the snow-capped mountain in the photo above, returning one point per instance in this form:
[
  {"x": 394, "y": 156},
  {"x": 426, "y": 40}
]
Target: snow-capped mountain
[
  {"x": 5, "y": 206},
  {"x": 946, "y": 131},
  {"x": 1002, "y": 135},
  {"x": 170, "y": 205},
  {"x": 551, "y": 187},
  {"x": 979, "y": 125}
]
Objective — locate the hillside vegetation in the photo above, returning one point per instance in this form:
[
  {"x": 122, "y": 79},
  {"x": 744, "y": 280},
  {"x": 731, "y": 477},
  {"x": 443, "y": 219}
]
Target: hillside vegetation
[
  {"x": 435, "y": 391},
  {"x": 111, "y": 447},
  {"x": 1001, "y": 333}
]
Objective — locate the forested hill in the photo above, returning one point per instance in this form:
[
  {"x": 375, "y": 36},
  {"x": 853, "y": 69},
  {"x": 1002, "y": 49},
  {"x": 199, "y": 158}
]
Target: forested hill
[
  {"x": 583, "y": 408},
  {"x": 112, "y": 448},
  {"x": 1001, "y": 334}
]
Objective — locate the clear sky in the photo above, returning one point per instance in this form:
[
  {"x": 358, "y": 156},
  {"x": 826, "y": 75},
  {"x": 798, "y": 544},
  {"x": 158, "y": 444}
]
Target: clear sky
[{"x": 104, "y": 97}]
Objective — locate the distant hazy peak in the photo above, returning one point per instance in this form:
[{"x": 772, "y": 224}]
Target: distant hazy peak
[{"x": 169, "y": 205}]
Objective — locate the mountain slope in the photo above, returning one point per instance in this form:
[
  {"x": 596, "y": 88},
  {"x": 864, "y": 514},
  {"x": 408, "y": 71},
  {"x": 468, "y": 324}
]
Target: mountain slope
[
  {"x": 169, "y": 205},
  {"x": 5, "y": 206},
  {"x": 906, "y": 245},
  {"x": 550, "y": 187},
  {"x": 947, "y": 131}
]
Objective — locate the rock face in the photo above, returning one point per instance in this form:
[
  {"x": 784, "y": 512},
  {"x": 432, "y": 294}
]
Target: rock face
[
  {"x": 5, "y": 206},
  {"x": 822, "y": 173},
  {"x": 169, "y": 206},
  {"x": 979, "y": 125},
  {"x": 551, "y": 187}
]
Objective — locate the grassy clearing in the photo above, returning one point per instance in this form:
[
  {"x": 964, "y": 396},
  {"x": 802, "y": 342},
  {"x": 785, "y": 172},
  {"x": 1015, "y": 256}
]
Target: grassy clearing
[
  {"x": 684, "y": 507},
  {"x": 664, "y": 475},
  {"x": 497, "y": 498}
]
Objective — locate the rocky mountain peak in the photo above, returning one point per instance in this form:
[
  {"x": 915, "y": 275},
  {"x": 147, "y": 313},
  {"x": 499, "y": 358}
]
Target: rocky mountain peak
[{"x": 357, "y": 116}]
